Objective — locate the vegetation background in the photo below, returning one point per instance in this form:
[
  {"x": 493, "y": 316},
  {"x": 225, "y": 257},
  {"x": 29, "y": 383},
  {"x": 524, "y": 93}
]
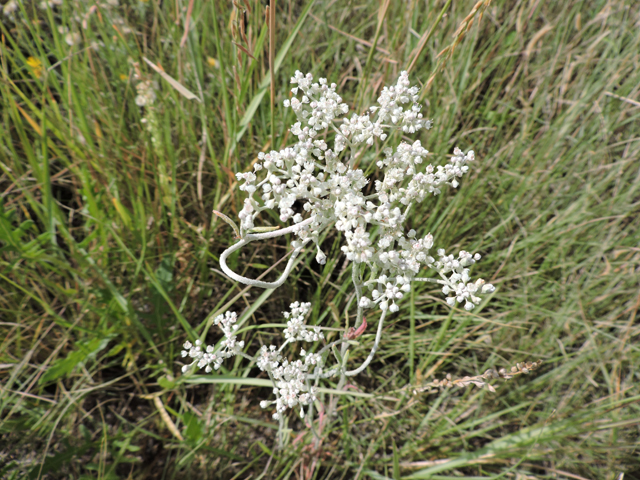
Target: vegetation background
[{"x": 110, "y": 251}]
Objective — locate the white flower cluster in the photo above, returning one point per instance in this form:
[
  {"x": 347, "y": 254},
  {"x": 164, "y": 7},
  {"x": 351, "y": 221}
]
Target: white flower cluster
[
  {"x": 296, "y": 330},
  {"x": 311, "y": 180},
  {"x": 207, "y": 356},
  {"x": 146, "y": 93},
  {"x": 10, "y": 7},
  {"x": 459, "y": 283},
  {"x": 289, "y": 379}
]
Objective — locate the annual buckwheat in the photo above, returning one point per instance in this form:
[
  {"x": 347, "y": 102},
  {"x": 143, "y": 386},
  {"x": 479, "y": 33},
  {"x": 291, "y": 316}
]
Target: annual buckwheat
[{"x": 315, "y": 185}]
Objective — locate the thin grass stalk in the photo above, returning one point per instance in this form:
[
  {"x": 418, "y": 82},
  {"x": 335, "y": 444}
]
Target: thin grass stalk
[
  {"x": 223, "y": 86},
  {"x": 427, "y": 36},
  {"x": 412, "y": 333},
  {"x": 367, "y": 67},
  {"x": 272, "y": 73},
  {"x": 445, "y": 54},
  {"x": 46, "y": 179}
]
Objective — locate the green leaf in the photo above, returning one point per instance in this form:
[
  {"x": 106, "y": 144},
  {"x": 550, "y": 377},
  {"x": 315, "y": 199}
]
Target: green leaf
[
  {"x": 396, "y": 462},
  {"x": 86, "y": 351},
  {"x": 164, "y": 272},
  {"x": 53, "y": 463},
  {"x": 167, "y": 384},
  {"x": 126, "y": 446},
  {"x": 194, "y": 427}
]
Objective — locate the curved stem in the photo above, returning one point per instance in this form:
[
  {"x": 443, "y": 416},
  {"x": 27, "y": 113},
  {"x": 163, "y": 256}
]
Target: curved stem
[
  {"x": 351, "y": 373},
  {"x": 262, "y": 236}
]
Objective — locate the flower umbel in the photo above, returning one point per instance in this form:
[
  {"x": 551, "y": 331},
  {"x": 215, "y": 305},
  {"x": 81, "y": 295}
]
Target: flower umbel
[{"x": 315, "y": 185}]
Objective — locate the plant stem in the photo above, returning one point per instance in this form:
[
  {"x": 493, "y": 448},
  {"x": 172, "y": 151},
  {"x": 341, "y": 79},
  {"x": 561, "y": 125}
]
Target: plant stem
[{"x": 272, "y": 55}]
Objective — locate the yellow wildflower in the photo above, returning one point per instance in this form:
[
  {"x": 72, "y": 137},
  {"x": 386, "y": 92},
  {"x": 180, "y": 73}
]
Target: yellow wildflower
[
  {"x": 212, "y": 62},
  {"x": 36, "y": 66}
]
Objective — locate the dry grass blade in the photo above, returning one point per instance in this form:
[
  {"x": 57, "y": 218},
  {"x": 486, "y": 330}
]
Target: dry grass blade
[
  {"x": 624, "y": 99},
  {"x": 186, "y": 24},
  {"x": 166, "y": 418},
  {"x": 352, "y": 37},
  {"x": 229, "y": 222},
  {"x": 244, "y": 50},
  {"x": 173, "y": 82},
  {"x": 446, "y": 54}
]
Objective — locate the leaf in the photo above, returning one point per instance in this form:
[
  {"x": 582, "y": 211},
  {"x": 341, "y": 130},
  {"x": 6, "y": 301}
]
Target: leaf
[
  {"x": 62, "y": 367},
  {"x": 165, "y": 383},
  {"x": 122, "y": 211},
  {"x": 396, "y": 461},
  {"x": 261, "y": 266},
  {"x": 164, "y": 272},
  {"x": 262, "y": 229},
  {"x": 55, "y": 462},
  {"x": 173, "y": 82},
  {"x": 230, "y": 222},
  {"x": 263, "y": 382},
  {"x": 243, "y": 49},
  {"x": 31, "y": 121},
  {"x": 194, "y": 428},
  {"x": 125, "y": 446},
  {"x": 86, "y": 351}
]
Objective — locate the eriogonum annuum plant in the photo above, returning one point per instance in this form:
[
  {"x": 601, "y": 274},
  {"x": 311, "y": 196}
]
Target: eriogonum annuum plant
[{"x": 316, "y": 186}]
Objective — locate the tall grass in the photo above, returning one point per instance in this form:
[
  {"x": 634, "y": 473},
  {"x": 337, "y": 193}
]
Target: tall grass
[{"x": 110, "y": 251}]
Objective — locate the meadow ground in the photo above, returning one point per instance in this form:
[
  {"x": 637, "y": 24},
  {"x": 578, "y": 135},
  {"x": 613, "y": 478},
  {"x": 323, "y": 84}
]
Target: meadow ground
[{"x": 110, "y": 250}]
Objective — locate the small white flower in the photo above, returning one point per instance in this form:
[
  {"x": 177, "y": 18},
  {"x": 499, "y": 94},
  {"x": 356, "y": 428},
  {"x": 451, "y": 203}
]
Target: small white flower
[{"x": 10, "y": 7}]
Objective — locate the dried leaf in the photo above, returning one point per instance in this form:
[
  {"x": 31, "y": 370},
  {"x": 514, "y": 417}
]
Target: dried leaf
[
  {"x": 173, "y": 82},
  {"x": 229, "y": 222},
  {"x": 243, "y": 49}
]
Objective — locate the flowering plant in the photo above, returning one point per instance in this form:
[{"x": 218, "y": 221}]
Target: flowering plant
[{"x": 331, "y": 191}]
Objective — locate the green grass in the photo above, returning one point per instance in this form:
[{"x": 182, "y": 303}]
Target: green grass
[{"x": 110, "y": 251}]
